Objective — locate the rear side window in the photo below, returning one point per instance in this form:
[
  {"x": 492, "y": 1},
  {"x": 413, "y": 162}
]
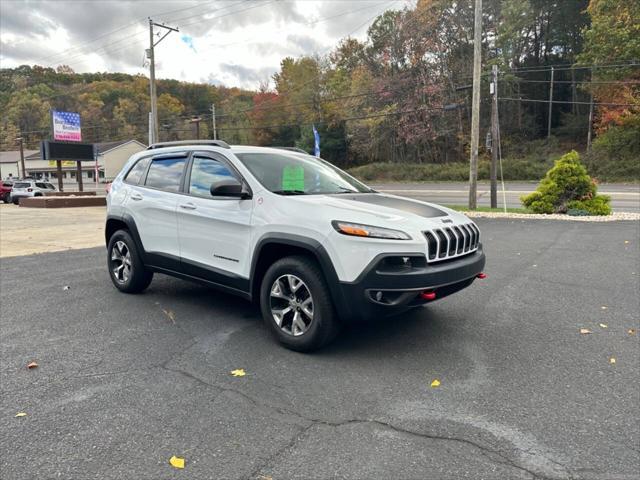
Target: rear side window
[
  {"x": 136, "y": 172},
  {"x": 165, "y": 174},
  {"x": 21, "y": 185}
]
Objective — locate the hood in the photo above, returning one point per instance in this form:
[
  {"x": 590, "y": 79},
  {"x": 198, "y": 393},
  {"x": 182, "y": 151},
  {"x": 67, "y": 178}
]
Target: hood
[{"x": 381, "y": 210}]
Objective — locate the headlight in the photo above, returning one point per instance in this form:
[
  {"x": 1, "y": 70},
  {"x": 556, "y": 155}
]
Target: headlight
[{"x": 358, "y": 230}]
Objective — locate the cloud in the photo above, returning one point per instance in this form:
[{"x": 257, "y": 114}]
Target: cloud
[
  {"x": 239, "y": 43},
  {"x": 247, "y": 74}
]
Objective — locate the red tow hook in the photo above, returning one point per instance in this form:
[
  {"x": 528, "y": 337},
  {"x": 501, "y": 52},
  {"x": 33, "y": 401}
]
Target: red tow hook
[
  {"x": 428, "y": 295},
  {"x": 481, "y": 275}
]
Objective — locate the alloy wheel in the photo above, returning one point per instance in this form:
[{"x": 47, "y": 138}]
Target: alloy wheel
[
  {"x": 291, "y": 305},
  {"x": 121, "y": 262}
]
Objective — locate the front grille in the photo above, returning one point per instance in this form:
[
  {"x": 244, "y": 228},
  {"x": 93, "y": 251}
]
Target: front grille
[{"x": 450, "y": 242}]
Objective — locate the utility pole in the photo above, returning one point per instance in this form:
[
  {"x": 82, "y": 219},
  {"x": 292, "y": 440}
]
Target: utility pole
[
  {"x": 213, "y": 120},
  {"x": 153, "y": 129},
  {"x": 197, "y": 121},
  {"x": 590, "y": 117},
  {"x": 475, "y": 106},
  {"x": 550, "y": 105},
  {"x": 494, "y": 137},
  {"x": 24, "y": 172}
]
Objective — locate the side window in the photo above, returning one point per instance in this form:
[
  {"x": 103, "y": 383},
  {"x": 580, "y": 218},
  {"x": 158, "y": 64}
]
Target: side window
[
  {"x": 136, "y": 172},
  {"x": 206, "y": 171},
  {"x": 41, "y": 185},
  {"x": 165, "y": 174}
]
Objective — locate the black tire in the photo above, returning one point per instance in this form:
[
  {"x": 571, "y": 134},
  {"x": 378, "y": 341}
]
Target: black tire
[
  {"x": 15, "y": 201},
  {"x": 139, "y": 277},
  {"x": 324, "y": 324}
]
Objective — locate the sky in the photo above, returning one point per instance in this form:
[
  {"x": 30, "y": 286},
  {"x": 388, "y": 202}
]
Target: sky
[{"x": 235, "y": 43}]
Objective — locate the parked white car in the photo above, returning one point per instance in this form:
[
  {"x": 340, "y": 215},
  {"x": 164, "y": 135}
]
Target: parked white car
[
  {"x": 313, "y": 245},
  {"x": 30, "y": 188}
]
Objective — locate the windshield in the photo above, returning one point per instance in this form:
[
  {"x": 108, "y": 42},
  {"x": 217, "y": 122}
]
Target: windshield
[{"x": 290, "y": 173}]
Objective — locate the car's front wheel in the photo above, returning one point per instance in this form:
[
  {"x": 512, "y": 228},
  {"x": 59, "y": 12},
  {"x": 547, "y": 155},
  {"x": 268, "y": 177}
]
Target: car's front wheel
[
  {"x": 296, "y": 304},
  {"x": 126, "y": 269}
]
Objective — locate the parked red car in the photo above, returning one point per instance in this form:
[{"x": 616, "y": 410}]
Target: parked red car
[{"x": 5, "y": 190}]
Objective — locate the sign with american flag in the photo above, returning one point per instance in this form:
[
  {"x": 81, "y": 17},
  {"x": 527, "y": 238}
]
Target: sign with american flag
[{"x": 66, "y": 126}]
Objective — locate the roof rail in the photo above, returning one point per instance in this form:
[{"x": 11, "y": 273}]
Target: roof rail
[
  {"x": 187, "y": 143},
  {"x": 293, "y": 149}
]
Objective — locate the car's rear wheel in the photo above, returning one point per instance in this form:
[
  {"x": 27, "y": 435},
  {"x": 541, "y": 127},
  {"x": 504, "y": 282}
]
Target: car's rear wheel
[
  {"x": 296, "y": 304},
  {"x": 126, "y": 269}
]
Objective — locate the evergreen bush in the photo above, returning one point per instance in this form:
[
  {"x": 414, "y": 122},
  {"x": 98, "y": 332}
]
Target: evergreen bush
[{"x": 567, "y": 186}]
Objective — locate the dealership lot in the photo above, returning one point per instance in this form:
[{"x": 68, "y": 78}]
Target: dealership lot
[{"x": 126, "y": 381}]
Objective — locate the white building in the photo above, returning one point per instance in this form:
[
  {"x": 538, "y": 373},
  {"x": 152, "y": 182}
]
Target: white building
[{"x": 111, "y": 158}]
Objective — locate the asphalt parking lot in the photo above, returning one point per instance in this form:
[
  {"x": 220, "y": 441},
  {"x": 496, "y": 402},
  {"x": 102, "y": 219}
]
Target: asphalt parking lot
[{"x": 126, "y": 381}]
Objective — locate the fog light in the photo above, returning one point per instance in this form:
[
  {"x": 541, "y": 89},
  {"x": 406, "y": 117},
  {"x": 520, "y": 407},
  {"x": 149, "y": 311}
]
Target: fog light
[{"x": 379, "y": 296}]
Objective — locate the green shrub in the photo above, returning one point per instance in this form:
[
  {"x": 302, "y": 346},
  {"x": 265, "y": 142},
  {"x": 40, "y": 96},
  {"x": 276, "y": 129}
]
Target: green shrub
[
  {"x": 567, "y": 186},
  {"x": 598, "y": 205}
]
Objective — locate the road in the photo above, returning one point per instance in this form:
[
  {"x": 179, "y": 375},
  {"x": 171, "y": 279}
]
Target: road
[
  {"x": 624, "y": 197},
  {"x": 126, "y": 381}
]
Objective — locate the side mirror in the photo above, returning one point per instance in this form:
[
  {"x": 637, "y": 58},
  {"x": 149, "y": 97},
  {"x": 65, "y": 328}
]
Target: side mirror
[{"x": 229, "y": 188}]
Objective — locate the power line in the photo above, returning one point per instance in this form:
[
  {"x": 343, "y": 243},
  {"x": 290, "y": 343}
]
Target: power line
[
  {"x": 603, "y": 104},
  {"x": 580, "y": 82},
  {"x": 104, "y": 48},
  {"x": 580, "y": 67},
  {"x": 119, "y": 29}
]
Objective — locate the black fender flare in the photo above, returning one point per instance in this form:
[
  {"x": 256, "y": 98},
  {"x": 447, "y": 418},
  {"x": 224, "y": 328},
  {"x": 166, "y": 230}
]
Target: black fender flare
[
  {"x": 316, "y": 249},
  {"x": 128, "y": 220}
]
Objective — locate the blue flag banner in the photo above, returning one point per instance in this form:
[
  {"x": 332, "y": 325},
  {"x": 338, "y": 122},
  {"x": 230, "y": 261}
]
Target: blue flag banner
[{"x": 316, "y": 137}]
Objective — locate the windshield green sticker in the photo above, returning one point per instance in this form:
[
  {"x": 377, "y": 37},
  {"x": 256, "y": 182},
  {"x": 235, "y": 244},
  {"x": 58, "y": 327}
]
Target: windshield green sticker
[{"x": 293, "y": 178}]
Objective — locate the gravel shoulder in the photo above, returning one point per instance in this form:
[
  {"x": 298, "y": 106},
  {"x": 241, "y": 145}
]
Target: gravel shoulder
[{"x": 25, "y": 231}]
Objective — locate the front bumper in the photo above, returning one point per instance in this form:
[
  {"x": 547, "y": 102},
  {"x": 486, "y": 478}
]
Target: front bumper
[{"x": 381, "y": 292}]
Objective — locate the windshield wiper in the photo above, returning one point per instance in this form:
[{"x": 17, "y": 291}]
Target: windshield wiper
[{"x": 290, "y": 192}]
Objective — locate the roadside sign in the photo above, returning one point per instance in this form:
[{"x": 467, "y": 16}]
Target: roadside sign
[{"x": 66, "y": 126}]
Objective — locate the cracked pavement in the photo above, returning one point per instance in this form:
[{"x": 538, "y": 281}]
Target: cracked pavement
[{"x": 121, "y": 387}]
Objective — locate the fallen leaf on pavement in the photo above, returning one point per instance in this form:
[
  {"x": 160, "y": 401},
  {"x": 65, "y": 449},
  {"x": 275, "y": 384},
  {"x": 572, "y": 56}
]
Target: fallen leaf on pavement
[
  {"x": 584, "y": 331},
  {"x": 238, "y": 372},
  {"x": 626, "y": 241},
  {"x": 170, "y": 314},
  {"x": 435, "y": 383},
  {"x": 66, "y": 287},
  {"x": 631, "y": 331},
  {"x": 612, "y": 360},
  {"x": 604, "y": 325},
  {"x": 32, "y": 365},
  {"x": 176, "y": 462},
  {"x": 603, "y": 307},
  {"x": 21, "y": 414}
]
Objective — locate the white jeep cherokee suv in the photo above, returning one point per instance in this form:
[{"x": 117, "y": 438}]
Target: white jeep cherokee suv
[{"x": 313, "y": 245}]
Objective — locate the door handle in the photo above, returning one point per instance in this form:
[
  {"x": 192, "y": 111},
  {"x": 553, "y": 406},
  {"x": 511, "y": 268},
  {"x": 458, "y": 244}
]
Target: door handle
[
  {"x": 136, "y": 196},
  {"x": 188, "y": 206}
]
